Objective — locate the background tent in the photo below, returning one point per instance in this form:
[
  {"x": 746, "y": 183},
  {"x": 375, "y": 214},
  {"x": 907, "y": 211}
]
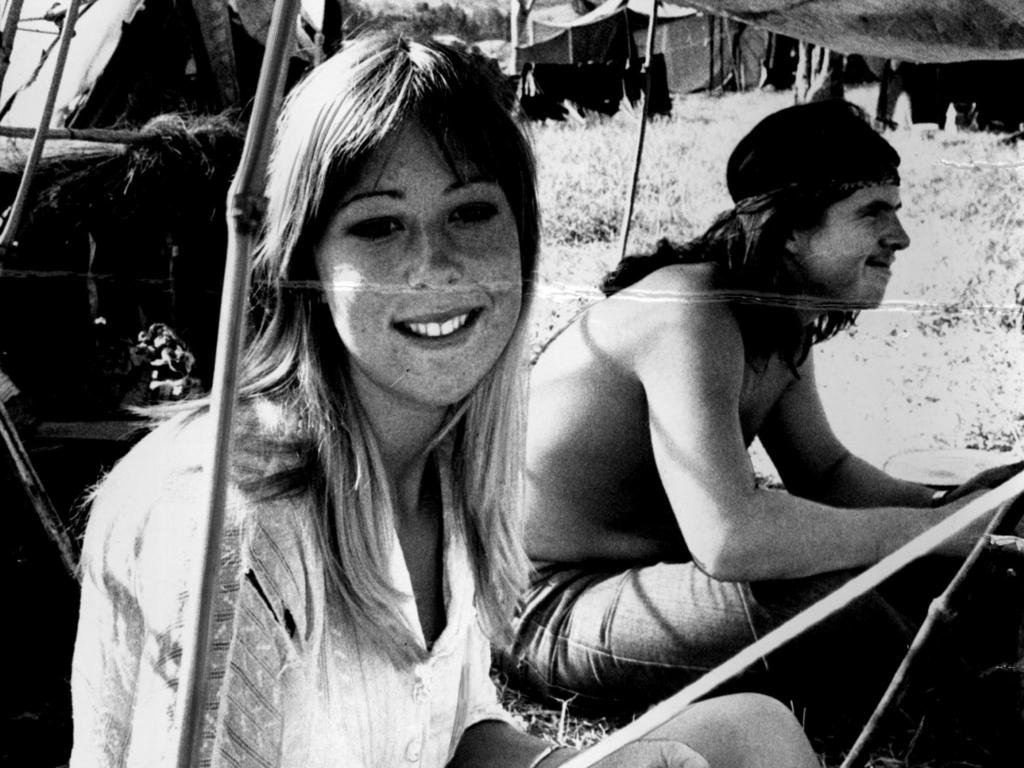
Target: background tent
[
  {"x": 133, "y": 59},
  {"x": 700, "y": 50}
]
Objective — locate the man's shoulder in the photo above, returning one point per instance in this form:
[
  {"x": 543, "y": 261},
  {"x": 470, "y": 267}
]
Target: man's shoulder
[
  {"x": 679, "y": 299},
  {"x": 679, "y": 303},
  {"x": 698, "y": 277}
]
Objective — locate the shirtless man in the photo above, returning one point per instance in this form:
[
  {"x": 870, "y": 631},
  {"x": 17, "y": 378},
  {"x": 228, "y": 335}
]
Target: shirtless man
[{"x": 657, "y": 554}]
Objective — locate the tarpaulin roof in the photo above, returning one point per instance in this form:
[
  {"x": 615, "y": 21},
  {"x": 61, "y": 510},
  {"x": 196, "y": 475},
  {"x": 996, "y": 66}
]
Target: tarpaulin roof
[{"x": 915, "y": 30}]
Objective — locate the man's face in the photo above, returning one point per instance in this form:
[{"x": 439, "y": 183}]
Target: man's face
[{"x": 847, "y": 257}]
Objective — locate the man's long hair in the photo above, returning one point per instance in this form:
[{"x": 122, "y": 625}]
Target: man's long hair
[
  {"x": 756, "y": 273},
  {"x": 783, "y": 175}
]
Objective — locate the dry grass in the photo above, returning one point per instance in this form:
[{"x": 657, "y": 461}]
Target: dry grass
[{"x": 940, "y": 364}]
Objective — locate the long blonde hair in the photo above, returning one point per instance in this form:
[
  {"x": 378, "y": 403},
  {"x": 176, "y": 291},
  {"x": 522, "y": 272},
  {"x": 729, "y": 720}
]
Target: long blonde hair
[{"x": 296, "y": 366}]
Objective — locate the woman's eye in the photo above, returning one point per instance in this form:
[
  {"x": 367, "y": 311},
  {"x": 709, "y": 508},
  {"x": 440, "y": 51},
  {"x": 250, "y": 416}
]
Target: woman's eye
[
  {"x": 474, "y": 213},
  {"x": 374, "y": 229}
]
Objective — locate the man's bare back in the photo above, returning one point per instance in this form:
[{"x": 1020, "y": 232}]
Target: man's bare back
[{"x": 594, "y": 491}]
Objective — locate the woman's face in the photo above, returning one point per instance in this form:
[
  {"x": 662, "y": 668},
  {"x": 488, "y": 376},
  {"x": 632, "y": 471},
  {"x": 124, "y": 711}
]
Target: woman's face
[{"x": 421, "y": 273}]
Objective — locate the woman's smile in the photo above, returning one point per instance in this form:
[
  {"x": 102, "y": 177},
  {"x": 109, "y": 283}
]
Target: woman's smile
[{"x": 439, "y": 328}]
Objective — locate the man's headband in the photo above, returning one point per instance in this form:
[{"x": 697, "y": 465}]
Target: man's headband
[{"x": 822, "y": 145}]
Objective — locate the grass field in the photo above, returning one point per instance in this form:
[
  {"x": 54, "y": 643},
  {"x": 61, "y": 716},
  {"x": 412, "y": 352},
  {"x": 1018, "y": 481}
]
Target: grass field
[{"x": 939, "y": 365}]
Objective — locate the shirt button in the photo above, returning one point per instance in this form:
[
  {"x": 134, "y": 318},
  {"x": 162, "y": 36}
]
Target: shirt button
[
  {"x": 412, "y": 752},
  {"x": 419, "y": 692}
]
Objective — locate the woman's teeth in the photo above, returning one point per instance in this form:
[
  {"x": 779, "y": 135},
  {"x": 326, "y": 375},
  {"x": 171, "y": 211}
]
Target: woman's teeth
[{"x": 438, "y": 329}]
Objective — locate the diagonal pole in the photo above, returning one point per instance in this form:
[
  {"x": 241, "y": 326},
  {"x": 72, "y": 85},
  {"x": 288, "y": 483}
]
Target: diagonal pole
[
  {"x": 941, "y": 609},
  {"x": 627, "y": 214},
  {"x": 840, "y": 598},
  {"x": 37, "y": 495},
  {"x": 245, "y": 208}
]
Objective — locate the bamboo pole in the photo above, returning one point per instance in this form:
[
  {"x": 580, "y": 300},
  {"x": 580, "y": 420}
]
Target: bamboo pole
[
  {"x": 245, "y": 209},
  {"x": 627, "y": 214},
  {"x": 10, "y": 231},
  {"x": 37, "y": 494},
  {"x": 856, "y": 587},
  {"x": 940, "y": 609}
]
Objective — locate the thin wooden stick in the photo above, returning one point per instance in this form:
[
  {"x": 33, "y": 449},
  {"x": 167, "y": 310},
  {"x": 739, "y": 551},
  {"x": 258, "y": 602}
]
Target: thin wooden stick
[
  {"x": 102, "y": 135},
  {"x": 10, "y": 231},
  {"x": 37, "y": 494},
  {"x": 856, "y": 587},
  {"x": 245, "y": 208},
  {"x": 941, "y": 608},
  {"x": 627, "y": 214}
]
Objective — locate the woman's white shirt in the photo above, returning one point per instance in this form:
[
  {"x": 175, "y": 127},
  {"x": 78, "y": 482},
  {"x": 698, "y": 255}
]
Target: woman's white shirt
[{"x": 291, "y": 682}]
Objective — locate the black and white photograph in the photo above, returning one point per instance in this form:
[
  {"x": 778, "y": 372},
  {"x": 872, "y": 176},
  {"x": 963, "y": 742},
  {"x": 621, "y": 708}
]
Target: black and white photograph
[{"x": 512, "y": 383}]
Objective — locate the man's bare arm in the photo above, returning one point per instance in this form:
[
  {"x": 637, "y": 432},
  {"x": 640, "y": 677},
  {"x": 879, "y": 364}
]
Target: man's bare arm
[
  {"x": 691, "y": 368},
  {"x": 814, "y": 464}
]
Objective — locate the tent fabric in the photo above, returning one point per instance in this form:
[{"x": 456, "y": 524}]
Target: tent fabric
[
  {"x": 699, "y": 50},
  {"x": 594, "y": 42},
  {"x": 98, "y": 33},
  {"x": 934, "y": 31},
  {"x": 693, "y": 64}
]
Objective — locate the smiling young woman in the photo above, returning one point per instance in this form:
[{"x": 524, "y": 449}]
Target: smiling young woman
[{"x": 372, "y": 538}]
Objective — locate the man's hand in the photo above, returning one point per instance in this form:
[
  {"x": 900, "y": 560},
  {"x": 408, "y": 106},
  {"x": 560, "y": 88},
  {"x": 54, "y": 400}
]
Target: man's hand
[
  {"x": 984, "y": 480},
  {"x": 972, "y": 489}
]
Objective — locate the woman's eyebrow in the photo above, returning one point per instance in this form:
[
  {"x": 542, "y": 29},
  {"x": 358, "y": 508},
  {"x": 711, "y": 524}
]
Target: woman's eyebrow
[
  {"x": 397, "y": 194},
  {"x": 393, "y": 194}
]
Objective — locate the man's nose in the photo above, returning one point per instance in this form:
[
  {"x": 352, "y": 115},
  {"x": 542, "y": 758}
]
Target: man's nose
[
  {"x": 896, "y": 236},
  {"x": 434, "y": 261}
]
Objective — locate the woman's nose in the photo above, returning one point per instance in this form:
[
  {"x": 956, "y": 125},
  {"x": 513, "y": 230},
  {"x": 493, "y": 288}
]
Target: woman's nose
[{"x": 434, "y": 261}]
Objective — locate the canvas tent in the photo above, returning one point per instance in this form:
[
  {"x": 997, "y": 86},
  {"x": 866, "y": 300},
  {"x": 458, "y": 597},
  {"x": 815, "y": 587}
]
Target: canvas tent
[
  {"x": 132, "y": 59},
  {"x": 700, "y": 50}
]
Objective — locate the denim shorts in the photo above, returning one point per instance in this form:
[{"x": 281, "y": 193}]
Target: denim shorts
[{"x": 611, "y": 638}]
